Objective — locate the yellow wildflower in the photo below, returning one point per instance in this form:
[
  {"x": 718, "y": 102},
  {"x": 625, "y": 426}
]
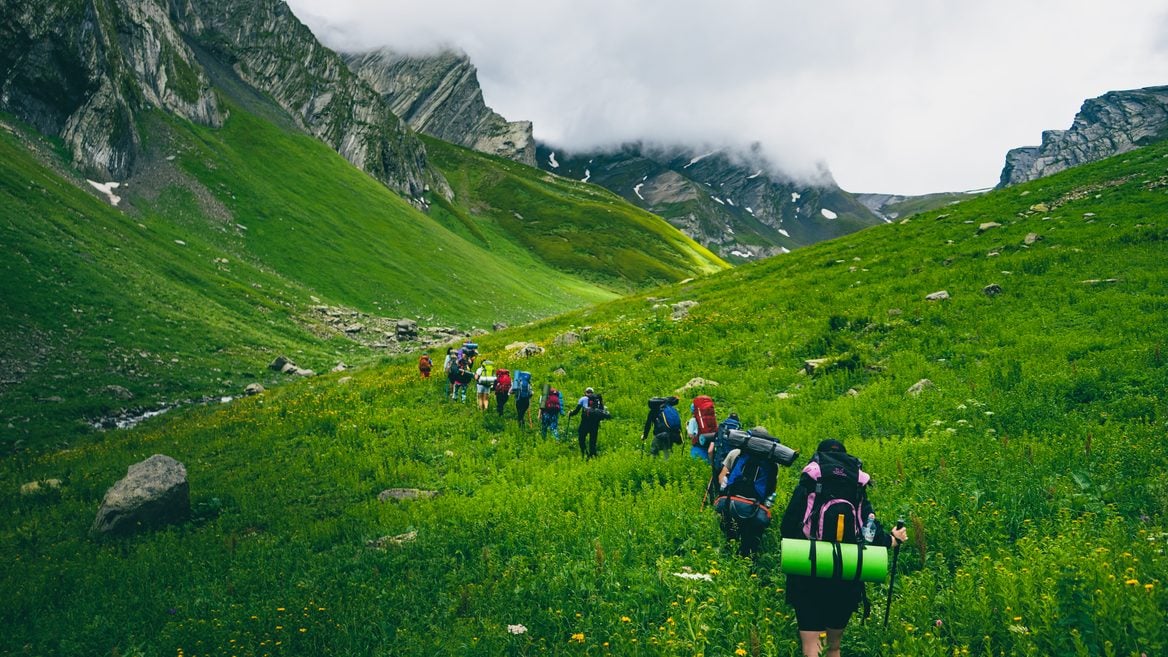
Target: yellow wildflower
[
  {"x": 741, "y": 652},
  {"x": 578, "y": 637},
  {"x": 626, "y": 619}
]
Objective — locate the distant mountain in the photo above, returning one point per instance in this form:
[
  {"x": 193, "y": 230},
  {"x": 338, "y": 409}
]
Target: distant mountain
[
  {"x": 734, "y": 203},
  {"x": 891, "y": 207},
  {"x": 1114, "y": 123},
  {"x": 439, "y": 95}
]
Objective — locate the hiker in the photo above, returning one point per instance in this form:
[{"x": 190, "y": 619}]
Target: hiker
[
  {"x": 702, "y": 427},
  {"x": 521, "y": 389},
  {"x": 460, "y": 376},
  {"x": 447, "y": 365},
  {"x": 550, "y": 409},
  {"x": 502, "y": 389},
  {"x": 747, "y": 490},
  {"x": 484, "y": 381},
  {"x": 425, "y": 365},
  {"x": 665, "y": 422},
  {"x": 591, "y": 409},
  {"x": 824, "y": 605},
  {"x": 718, "y": 449}
]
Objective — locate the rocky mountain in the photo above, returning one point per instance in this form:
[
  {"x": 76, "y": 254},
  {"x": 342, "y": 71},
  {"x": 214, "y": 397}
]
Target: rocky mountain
[
  {"x": 734, "y": 203},
  {"x": 1113, "y": 123},
  {"x": 439, "y": 95},
  {"x": 88, "y": 71}
]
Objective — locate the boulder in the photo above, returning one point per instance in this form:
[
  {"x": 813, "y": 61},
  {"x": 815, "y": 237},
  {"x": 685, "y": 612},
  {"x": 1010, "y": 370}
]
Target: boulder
[
  {"x": 498, "y": 326},
  {"x": 992, "y": 290},
  {"x": 154, "y": 492},
  {"x": 300, "y": 371},
  {"x": 937, "y": 296},
  {"x": 568, "y": 338},
  {"x": 1031, "y": 238},
  {"x": 919, "y": 387},
  {"x": 341, "y": 367},
  {"x": 989, "y": 225},
  {"x": 1040, "y": 207},
  {"x": 812, "y": 364},
  {"x": 697, "y": 382},
  {"x": 118, "y": 391},
  {"x": 40, "y": 486},
  {"x": 407, "y": 329},
  {"x": 681, "y": 309},
  {"x": 279, "y": 364},
  {"x": 559, "y": 372},
  {"x": 253, "y": 389},
  {"x": 398, "y": 494},
  {"x": 524, "y": 349}
]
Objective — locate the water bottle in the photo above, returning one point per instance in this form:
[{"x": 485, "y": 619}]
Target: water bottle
[
  {"x": 770, "y": 501},
  {"x": 870, "y": 528}
]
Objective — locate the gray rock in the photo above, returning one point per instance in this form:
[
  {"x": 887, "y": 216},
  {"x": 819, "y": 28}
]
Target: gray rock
[
  {"x": 40, "y": 487},
  {"x": 559, "y": 372},
  {"x": 992, "y": 290},
  {"x": 812, "y": 364},
  {"x": 399, "y": 494},
  {"x": 989, "y": 225},
  {"x": 279, "y": 364},
  {"x": 154, "y": 492},
  {"x": 118, "y": 391},
  {"x": 937, "y": 296},
  {"x": 498, "y": 326},
  {"x": 386, "y": 541},
  {"x": 1031, "y": 238},
  {"x": 341, "y": 367},
  {"x": 681, "y": 309},
  {"x": 697, "y": 382},
  {"x": 253, "y": 389},
  {"x": 920, "y": 386},
  {"x": 568, "y": 338}
]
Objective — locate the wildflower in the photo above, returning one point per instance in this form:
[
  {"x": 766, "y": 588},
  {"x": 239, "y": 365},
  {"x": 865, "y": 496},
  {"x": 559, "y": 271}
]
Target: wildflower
[
  {"x": 578, "y": 637},
  {"x": 516, "y": 629},
  {"x": 1132, "y": 582},
  {"x": 1148, "y": 586},
  {"x": 626, "y": 619},
  {"x": 740, "y": 652},
  {"x": 938, "y": 623},
  {"x": 303, "y": 630}
]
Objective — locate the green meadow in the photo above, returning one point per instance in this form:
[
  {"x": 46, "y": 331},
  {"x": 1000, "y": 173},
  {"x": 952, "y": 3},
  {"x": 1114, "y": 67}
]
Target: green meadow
[{"x": 1029, "y": 470}]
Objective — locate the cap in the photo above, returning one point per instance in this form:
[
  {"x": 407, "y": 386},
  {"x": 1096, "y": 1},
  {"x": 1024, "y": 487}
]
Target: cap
[
  {"x": 831, "y": 445},
  {"x": 588, "y": 391}
]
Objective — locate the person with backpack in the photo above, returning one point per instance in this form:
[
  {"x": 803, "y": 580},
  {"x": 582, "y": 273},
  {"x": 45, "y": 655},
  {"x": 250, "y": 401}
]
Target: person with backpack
[
  {"x": 521, "y": 389},
  {"x": 447, "y": 365},
  {"x": 460, "y": 376},
  {"x": 502, "y": 389},
  {"x": 665, "y": 422},
  {"x": 591, "y": 409},
  {"x": 550, "y": 409},
  {"x": 718, "y": 449},
  {"x": 425, "y": 365},
  {"x": 702, "y": 427},
  {"x": 484, "y": 378},
  {"x": 746, "y": 485},
  {"x": 830, "y": 503}
]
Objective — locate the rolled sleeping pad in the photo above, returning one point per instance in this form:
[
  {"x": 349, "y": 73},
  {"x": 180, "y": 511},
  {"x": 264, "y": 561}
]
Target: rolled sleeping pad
[
  {"x": 761, "y": 444},
  {"x": 834, "y": 560},
  {"x": 487, "y": 380}
]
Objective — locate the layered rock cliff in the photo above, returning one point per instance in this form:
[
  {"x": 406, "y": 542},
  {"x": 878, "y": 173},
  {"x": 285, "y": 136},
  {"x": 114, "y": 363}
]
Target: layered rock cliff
[
  {"x": 1113, "y": 123},
  {"x": 85, "y": 71},
  {"x": 440, "y": 95}
]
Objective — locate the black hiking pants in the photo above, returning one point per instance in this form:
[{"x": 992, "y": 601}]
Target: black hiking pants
[
  {"x": 588, "y": 430},
  {"x": 501, "y": 401},
  {"x": 521, "y": 404}
]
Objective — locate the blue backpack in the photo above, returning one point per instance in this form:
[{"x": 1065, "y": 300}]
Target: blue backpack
[
  {"x": 721, "y": 448},
  {"x": 670, "y": 420},
  {"x": 523, "y": 385},
  {"x": 748, "y": 478}
]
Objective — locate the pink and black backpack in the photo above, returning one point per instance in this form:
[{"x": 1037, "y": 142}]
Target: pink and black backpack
[{"x": 837, "y": 487}]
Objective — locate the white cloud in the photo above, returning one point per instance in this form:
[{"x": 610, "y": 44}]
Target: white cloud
[{"x": 901, "y": 96}]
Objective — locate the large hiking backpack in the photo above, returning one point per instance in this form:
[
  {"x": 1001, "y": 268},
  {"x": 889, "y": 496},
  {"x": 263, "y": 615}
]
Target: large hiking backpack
[
  {"x": 835, "y": 500},
  {"x": 551, "y": 401},
  {"x": 487, "y": 378},
  {"x": 748, "y": 478},
  {"x": 502, "y": 380},
  {"x": 721, "y": 447},
  {"x": 523, "y": 385},
  {"x": 667, "y": 421},
  {"x": 707, "y": 421},
  {"x": 595, "y": 408}
]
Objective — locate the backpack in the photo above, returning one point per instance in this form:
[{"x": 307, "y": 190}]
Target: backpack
[
  {"x": 835, "y": 500},
  {"x": 707, "y": 421},
  {"x": 595, "y": 408},
  {"x": 748, "y": 478},
  {"x": 667, "y": 421},
  {"x": 551, "y": 401},
  {"x": 721, "y": 448},
  {"x": 523, "y": 385},
  {"x": 488, "y": 368},
  {"x": 424, "y": 363},
  {"x": 503, "y": 382}
]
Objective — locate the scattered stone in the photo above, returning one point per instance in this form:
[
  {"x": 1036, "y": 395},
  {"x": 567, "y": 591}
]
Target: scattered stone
[
  {"x": 989, "y": 225},
  {"x": 992, "y": 290},
  {"x": 1040, "y": 207},
  {"x": 1097, "y": 281},
  {"x": 894, "y": 312},
  {"x": 354, "y": 328},
  {"x": 118, "y": 391},
  {"x": 386, "y": 541},
  {"x": 398, "y": 494},
  {"x": 559, "y": 372},
  {"x": 1031, "y": 238},
  {"x": 341, "y": 367},
  {"x": 300, "y": 371},
  {"x": 40, "y": 486},
  {"x": 279, "y": 364},
  {"x": 852, "y": 392},
  {"x": 344, "y": 379},
  {"x": 919, "y": 387},
  {"x": 407, "y": 329},
  {"x": 154, "y": 492},
  {"x": 498, "y": 326},
  {"x": 783, "y": 395},
  {"x": 993, "y": 254},
  {"x": 812, "y": 364},
  {"x": 253, "y": 389},
  {"x": 937, "y": 296},
  {"x": 524, "y": 349},
  {"x": 568, "y": 338},
  {"x": 697, "y": 382},
  {"x": 681, "y": 309}
]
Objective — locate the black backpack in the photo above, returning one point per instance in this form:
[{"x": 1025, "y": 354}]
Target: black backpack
[
  {"x": 836, "y": 491},
  {"x": 595, "y": 409}
]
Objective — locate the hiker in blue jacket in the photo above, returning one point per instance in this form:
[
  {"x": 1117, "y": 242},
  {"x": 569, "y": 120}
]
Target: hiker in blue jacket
[{"x": 590, "y": 407}]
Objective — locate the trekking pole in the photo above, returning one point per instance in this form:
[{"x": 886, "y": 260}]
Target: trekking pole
[{"x": 892, "y": 580}]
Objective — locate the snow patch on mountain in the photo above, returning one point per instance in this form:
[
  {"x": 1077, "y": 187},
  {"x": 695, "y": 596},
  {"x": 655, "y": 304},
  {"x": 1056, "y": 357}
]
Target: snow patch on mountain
[
  {"x": 587, "y": 175},
  {"x": 107, "y": 189},
  {"x": 828, "y": 214},
  {"x": 552, "y": 160},
  {"x": 637, "y": 190}
]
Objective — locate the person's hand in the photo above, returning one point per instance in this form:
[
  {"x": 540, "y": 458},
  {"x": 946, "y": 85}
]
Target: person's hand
[{"x": 899, "y": 535}]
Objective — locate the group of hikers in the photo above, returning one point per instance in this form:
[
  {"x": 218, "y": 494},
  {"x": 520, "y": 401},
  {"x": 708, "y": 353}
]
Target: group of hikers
[{"x": 828, "y": 527}]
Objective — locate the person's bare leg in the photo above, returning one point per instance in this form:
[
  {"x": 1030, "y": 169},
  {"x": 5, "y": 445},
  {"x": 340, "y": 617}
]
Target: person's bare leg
[
  {"x": 810, "y": 641},
  {"x": 833, "y": 642}
]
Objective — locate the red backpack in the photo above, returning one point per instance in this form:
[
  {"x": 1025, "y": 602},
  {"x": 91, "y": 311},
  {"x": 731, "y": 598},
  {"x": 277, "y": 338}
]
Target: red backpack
[
  {"x": 503, "y": 380},
  {"x": 707, "y": 421},
  {"x": 552, "y": 401}
]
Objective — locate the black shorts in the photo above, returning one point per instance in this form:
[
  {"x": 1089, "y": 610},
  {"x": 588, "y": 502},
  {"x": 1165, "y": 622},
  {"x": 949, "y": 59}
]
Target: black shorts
[{"x": 821, "y": 604}]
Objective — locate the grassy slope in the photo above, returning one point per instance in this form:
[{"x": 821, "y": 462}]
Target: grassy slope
[
  {"x": 572, "y": 226},
  {"x": 1029, "y": 473}
]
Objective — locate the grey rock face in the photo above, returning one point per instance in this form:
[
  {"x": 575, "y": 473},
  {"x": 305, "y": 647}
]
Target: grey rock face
[
  {"x": 439, "y": 95},
  {"x": 154, "y": 492},
  {"x": 1113, "y": 123}
]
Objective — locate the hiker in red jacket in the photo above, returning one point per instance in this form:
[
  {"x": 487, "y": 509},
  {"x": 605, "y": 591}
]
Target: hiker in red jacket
[{"x": 425, "y": 365}]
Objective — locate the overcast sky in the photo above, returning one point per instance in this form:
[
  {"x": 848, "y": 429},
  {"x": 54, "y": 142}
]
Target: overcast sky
[{"x": 898, "y": 96}]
